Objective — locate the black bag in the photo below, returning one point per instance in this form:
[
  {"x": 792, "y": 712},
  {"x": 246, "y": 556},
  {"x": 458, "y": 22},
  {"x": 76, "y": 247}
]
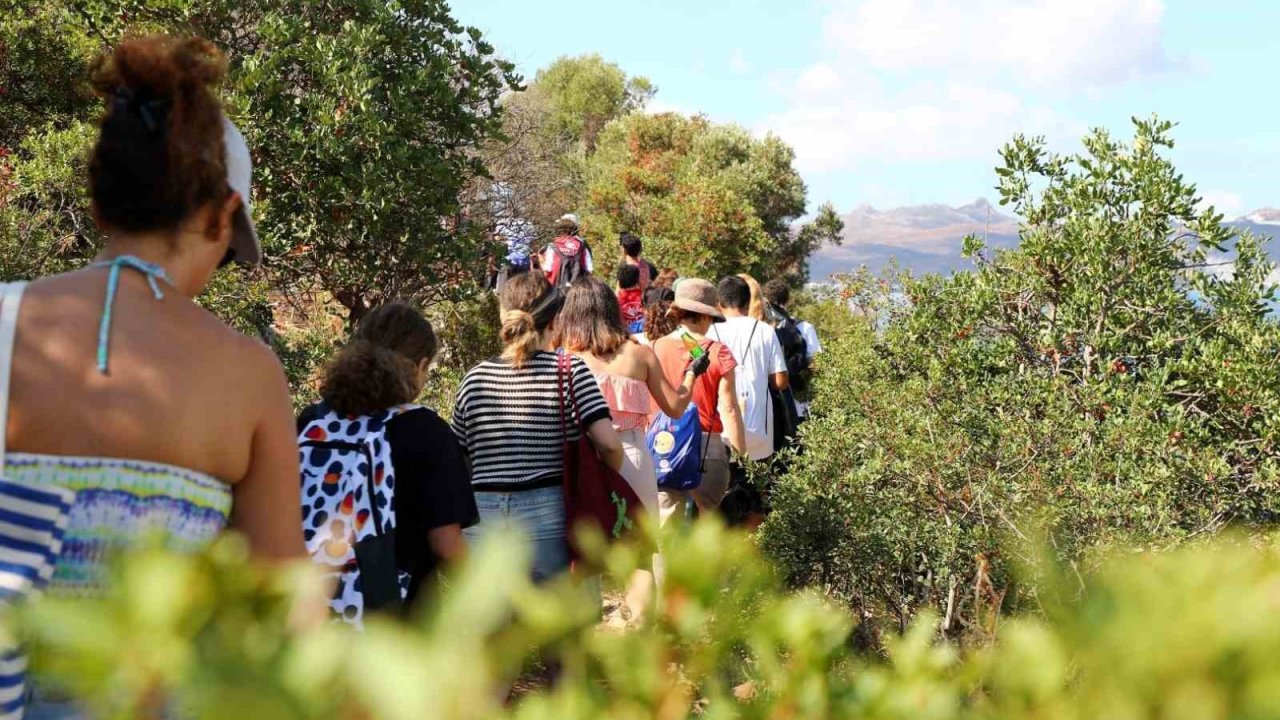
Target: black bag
[
  {"x": 786, "y": 419},
  {"x": 794, "y": 348}
]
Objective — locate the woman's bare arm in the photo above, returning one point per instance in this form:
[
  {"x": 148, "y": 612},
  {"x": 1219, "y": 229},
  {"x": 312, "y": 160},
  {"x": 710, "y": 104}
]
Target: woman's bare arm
[
  {"x": 608, "y": 444},
  {"x": 267, "y": 502}
]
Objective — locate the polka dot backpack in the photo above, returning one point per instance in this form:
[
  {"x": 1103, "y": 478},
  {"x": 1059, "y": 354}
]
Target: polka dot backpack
[{"x": 348, "y": 519}]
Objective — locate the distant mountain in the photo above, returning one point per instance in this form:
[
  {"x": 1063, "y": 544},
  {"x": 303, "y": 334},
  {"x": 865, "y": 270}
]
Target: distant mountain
[
  {"x": 1262, "y": 222},
  {"x": 925, "y": 238},
  {"x": 928, "y": 238}
]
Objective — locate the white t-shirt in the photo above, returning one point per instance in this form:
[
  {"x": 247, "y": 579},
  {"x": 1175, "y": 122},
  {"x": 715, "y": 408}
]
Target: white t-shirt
[
  {"x": 755, "y": 346},
  {"x": 810, "y": 334}
]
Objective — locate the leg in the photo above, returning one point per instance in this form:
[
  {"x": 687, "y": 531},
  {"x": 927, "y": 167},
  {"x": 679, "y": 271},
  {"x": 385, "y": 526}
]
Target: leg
[{"x": 715, "y": 474}]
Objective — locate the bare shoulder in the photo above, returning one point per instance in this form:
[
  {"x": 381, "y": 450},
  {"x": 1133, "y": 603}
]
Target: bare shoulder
[
  {"x": 254, "y": 362},
  {"x": 635, "y": 350},
  {"x": 268, "y": 373}
]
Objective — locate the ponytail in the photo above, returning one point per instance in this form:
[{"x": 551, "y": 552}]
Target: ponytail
[
  {"x": 520, "y": 337},
  {"x": 529, "y": 305}
]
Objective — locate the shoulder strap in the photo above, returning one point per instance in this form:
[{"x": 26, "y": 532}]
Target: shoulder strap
[
  {"x": 10, "y": 300},
  {"x": 751, "y": 337},
  {"x": 562, "y": 372}
]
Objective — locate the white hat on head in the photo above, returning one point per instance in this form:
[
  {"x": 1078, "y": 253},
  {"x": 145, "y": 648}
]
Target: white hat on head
[
  {"x": 571, "y": 218},
  {"x": 244, "y": 238}
]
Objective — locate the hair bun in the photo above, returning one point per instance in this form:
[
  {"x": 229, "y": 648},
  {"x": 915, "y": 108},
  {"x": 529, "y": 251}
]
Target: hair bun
[
  {"x": 159, "y": 155},
  {"x": 516, "y": 323}
]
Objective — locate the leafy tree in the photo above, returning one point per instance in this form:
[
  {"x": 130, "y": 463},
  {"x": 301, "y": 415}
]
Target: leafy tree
[
  {"x": 708, "y": 199},
  {"x": 549, "y": 130},
  {"x": 363, "y": 118},
  {"x": 584, "y": 93},
  {"x": 41, "y": 69}
]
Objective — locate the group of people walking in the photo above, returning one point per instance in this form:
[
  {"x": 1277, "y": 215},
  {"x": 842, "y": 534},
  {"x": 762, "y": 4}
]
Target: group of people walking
[{"x": 127, "y": 409}]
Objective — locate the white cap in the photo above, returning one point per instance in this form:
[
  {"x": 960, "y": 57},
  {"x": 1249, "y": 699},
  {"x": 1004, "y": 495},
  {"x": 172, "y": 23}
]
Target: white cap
[
  {"x": 571, "y": 218},
  {"x": 244, "y": 238}
]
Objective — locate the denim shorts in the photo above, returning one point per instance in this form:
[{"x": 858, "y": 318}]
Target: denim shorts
[{"x": 539, "y": 514}]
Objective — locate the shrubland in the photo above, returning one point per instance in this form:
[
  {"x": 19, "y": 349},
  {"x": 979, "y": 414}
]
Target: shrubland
[
  {"x": 1184, "y": 634},
  {"x": 1112, "y": 381}
]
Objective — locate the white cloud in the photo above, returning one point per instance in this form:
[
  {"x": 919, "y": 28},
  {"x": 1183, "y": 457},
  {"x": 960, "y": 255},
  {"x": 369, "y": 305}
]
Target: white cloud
[
  {"x": 818, "y": 81},
  {"x": 657, "y": 106},
  {"x": 1077, "y": 42},
  {"x": 1228, "y": 203},
  {"x": 928, "y": 80},
  {"x": 922, "y": 122},
  {"x": 738, "y": 62}
]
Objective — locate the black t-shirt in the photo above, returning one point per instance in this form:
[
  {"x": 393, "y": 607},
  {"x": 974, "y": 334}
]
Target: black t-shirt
[{"x": 433, "y": 487}]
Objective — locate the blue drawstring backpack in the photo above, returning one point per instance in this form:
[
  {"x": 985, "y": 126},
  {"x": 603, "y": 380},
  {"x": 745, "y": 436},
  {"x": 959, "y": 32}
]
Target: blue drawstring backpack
[{"x": 676, "y": 447}]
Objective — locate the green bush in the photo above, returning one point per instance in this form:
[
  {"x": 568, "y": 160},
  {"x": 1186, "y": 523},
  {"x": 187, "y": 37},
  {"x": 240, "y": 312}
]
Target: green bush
[
  {"x": 1101, "y": 380},
  {"x": 1186, "y": 634}
]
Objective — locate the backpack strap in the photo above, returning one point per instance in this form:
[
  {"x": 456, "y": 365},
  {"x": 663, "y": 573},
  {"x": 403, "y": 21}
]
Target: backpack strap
[{"x": 10, "y": 300}]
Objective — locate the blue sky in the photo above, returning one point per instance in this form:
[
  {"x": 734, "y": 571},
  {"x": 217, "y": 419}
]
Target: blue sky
[{"x": 894, "y": 102}]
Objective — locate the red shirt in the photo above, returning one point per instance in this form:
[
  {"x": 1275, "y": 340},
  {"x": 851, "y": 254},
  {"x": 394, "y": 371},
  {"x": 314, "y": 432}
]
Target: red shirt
[
  {"x": 631, "y": 301},
  {"x": 674, "y": 358}
]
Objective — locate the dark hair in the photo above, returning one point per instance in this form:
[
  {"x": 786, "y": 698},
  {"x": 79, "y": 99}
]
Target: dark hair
[
  {"x": 666, "y": 278},
  {"x": 631, "y": 244},
  {"x": 777, "y": 291},
  {"x": 628, "y": 276},
  {"x": 680, "y": 315},
  {"x": 591, "y": 320},
  {"x": 159, "y": 155},
  {"x": 529, "y": 305},
  {"x": 733, "y": 292},
  {"x": 657, "y": 294},
  {"x": 565, "y": 226},
  {"x": 658, "y": 322},
  {"x": 378, "y": 368}
]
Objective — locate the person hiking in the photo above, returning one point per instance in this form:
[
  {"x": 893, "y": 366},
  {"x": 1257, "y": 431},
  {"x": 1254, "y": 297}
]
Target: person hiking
[
  {"x": 799, "y": 339},
  {"x": 662, "y": 287},
  {"x": 694, "y": 308},
  {"x": 144, "y": 413},
  {"x": 507, "y": 419},
  {"x": 515, "y": 260},
  {"x": 657, "y": 318},
  {"x": 632, "y": 247},
  {"x": 762, "y": 370},
  {"x": 630, "y": 379},
  {"x": 399, "y": 470},
  {"x": 630, "y": 299},
  {"x": 568, "y": 256}
]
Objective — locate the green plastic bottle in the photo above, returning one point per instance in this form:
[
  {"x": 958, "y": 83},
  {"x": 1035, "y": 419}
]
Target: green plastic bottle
[{"x": 695, "y": 349}]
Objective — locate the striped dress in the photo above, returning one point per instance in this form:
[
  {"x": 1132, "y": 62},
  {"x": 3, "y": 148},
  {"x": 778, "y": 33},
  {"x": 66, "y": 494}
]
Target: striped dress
[{"x": 116, "y": 503}]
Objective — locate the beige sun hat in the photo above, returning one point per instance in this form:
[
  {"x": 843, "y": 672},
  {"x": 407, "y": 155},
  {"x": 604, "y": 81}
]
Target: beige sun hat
[{"x": 697, "y": 295}]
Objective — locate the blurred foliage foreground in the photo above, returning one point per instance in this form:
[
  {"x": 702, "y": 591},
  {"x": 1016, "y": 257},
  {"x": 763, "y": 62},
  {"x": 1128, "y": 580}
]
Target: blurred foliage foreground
[{"x": 1191, "y": 633}]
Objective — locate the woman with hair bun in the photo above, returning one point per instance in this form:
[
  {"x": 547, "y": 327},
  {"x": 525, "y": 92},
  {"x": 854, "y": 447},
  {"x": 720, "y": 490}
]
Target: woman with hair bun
[
  {"x": 399, "y": 472},
  {"x": 507, "y": 420},
  {"x": 143, "y": 412}
]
